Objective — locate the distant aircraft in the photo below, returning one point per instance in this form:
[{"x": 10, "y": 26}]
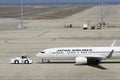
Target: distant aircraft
[{"x": 81, "y": 55}]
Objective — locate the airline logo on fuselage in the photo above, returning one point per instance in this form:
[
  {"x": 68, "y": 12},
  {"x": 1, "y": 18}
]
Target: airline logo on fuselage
[{"x": 69, "y": 50}]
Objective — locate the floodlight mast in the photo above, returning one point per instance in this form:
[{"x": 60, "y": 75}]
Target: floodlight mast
[
  {"x": 102, "y": 12},
  {"x": 20, "y": 26}
]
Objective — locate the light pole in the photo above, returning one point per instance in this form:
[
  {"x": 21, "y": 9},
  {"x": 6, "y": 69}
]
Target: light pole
[
  {"x": 21, "y": 26},
  {"x": 102, "y": 12}
]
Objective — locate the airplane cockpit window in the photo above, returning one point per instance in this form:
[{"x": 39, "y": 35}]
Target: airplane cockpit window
[{"x": 42, "y": 51}]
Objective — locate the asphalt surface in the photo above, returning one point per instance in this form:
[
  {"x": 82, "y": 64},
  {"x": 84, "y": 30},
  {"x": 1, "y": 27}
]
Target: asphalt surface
[{"x": 42, "y": 34}]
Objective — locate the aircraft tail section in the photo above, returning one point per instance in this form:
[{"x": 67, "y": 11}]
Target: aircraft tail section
[{"x": 112, "y": 45}]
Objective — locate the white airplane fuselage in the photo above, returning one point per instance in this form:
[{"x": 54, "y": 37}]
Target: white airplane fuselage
[{"x": 70, "y": 53}]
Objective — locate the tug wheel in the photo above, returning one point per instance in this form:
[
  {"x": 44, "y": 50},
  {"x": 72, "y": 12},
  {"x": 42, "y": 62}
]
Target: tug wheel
[{"x": 16, "y": 62}]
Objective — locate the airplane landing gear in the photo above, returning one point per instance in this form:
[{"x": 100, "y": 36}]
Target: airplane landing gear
[{"x": 44, "y": 61}]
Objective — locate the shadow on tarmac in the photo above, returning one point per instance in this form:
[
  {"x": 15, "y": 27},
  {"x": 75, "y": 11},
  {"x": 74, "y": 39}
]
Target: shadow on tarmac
[{"x": 91, "y": 65}]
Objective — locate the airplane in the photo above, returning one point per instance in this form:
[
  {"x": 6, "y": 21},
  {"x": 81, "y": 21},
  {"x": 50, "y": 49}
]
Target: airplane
[{"x": 81, "y": 55}]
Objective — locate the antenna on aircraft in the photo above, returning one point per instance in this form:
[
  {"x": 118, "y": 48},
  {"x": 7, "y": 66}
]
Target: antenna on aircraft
[{"x": 21, "y": 26}]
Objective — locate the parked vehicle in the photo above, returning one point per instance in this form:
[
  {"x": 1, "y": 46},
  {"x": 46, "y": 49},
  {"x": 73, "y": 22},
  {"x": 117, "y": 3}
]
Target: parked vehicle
[
  {"x": 21, "y": 60},
  {"x": 85, "y": 26}
]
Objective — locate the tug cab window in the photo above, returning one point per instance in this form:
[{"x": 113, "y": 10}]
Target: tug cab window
[
  {"x": 43, "y": 52},
  {"x": 24, "y": 56}
]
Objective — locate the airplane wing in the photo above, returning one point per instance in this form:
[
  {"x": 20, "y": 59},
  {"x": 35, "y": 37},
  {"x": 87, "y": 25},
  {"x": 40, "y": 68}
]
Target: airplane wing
[
  {"x": 94, "y": 59},
  {"x": 110, "y": 54},
  {"x": 97, "y": 57},
  {"x": 100, "y": 57}
]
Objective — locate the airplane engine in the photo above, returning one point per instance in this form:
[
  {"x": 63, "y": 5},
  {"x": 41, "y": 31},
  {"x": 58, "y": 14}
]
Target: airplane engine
[{"x": 81, "y": 60}]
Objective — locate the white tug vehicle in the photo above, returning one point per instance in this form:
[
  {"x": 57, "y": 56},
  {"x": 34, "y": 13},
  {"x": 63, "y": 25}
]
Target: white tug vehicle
[{"x": 23, "y": 59}]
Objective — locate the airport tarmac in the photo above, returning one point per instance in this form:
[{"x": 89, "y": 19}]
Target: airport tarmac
[{"x": 42, "y": 34}]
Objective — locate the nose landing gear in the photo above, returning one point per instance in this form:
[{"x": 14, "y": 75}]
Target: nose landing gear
[{"x": 44, "y": 61}]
